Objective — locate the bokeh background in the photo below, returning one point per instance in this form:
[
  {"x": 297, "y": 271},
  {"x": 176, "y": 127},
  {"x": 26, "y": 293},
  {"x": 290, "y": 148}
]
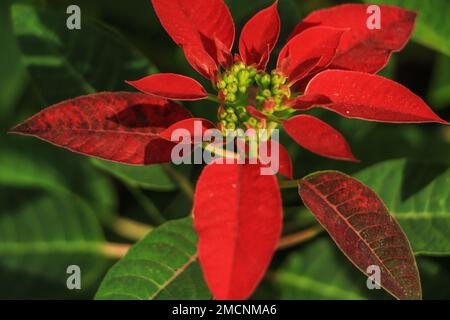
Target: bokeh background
[{"x": 58, "y": 208}]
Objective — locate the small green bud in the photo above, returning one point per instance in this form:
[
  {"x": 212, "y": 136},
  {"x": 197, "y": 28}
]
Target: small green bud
[
  {"x": 242, "y": 89},
  {"x": 260, "y": 98},
  {"x": 237, "y": 67},
  {"x": 222, "y": 115},
  {"x": 232, "y": 88},
  {"x": 231, "y": 97},
  {"x": 267, "y": 93},
  {"x": 231, "y": 126},
  {"x": 243, "y": 116},
  {"x": 252, "y": 71},
  {"x": 231, "y": 117},
  {"x": 221, "y": 85},
  {"x": 243, "y": 76},
  {"x": 229, "y": 79},
  {"x": 252, "y": 121},
  {"x": 265, "y": 80},
  {"x": 240, "y": 109}
]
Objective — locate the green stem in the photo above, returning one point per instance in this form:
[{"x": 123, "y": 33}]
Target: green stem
[
  {"x": 288, "y": 184},
  {"x": 114, "y": 250},
  {"x": 148, "y": 205},
  {"x": 131, "y": 229},
  {"x": 184, "y": 184},
  {"x": 213, "y": 98},
  {"x": 220, "y": 151},
  {"x": 273, "y": 118},
  {"x": 299, "y": 237}
]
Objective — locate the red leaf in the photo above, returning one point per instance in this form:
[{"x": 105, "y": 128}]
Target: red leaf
[
  {"x": 194, "y": 25},
  {"x": 193, "y": 127},
  {"x": 224, "y": 55},
  {"x": 311, "y": 50},
  {"x": 363, "y": 229},
  {"x": 284, "y": 159},
  {"x": 305, "y": 102},
  {"x": 362, "y": 49},
  {"x": 254, "y": 112},
  {"x": 121, "y": 127},
  {"x": 238, "y": 217},
  {"x": 170, "y": 86},
  {"x": 259, "y": 36},
  {"x": 201, "y": 61},
  {"x": 370, "y": 97},
  {"x": 318, "y": 137}
]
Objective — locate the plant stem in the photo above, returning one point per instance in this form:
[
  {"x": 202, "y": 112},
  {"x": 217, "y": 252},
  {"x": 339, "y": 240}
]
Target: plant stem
[
  {"x": 213, "y": 98},
  {"x": 150, "y": 208},
  {"x": 219, "y": 151},
  {"x": 299, "y": 237},
  {"x": 288, "y": 184},
  {"x": 274, "y": 119},
  {"x": 131, "y": 229},
  {"x": 115, "y": 250},
  {"x": 184, "y": 184},
  {"x": 118, "y": 250}
]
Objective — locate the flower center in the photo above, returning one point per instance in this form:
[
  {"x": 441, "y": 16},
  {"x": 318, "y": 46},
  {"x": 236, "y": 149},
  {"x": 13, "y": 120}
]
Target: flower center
[{"x": 242, "y": 86}]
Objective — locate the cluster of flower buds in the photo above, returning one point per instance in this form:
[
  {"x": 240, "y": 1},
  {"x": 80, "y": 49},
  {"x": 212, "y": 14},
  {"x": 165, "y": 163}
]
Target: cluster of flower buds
[{"x": 242, "y": 86}]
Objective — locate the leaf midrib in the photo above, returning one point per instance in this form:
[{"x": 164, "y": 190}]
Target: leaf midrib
[
  {"x": 51, "y": 246},
  {"x": 334, "y": 208},
  {"x": 175, "y": 275}
]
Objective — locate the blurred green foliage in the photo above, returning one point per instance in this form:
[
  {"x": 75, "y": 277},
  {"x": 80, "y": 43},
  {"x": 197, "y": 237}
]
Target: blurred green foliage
[{"x": 59, "y": 209}]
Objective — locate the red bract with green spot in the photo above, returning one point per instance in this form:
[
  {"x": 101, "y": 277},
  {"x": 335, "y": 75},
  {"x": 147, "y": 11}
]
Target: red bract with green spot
[{"x": 328, "y": 62}]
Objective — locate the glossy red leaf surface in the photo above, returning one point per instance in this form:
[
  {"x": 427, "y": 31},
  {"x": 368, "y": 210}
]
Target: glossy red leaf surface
[
  {"x": 370, "y": 97},
  {"x": 238, "y": 217},
  {"x": 305, "y": 102},
  {"x": 194, "y": 25},
  {"x": 284, "y": 159},
  {"x": 259, "y": 36},
  {"x": 192, "y": 129},
  {"x": 121, "y": 127},
  {"x": 170, "y": 86},
  {"x": 361, "y": 48},
  {"x": 318, "y": 137},
  {"x": 311, "y": 50},
  {"x": 363, "y": 229}
]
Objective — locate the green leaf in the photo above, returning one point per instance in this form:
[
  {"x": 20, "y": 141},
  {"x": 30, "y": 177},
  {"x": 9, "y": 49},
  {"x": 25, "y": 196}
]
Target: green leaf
[
  {"x": 418, "y": 195},
  {"x": 41, "y": 234},
  {"x": 33, "y": 164},
  {"x": 161, "y": 266},
  {"x": 67, "y": 63},
  {"x": 12, "y": 75},
  {"x": 320, "y": 271},
  {"x": 152, "y": 177},
  {"x": 432, "y": 26}
]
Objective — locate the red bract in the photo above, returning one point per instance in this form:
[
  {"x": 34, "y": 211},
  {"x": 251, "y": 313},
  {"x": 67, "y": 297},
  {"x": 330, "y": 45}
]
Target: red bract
[{"x": 327, "y": 62}]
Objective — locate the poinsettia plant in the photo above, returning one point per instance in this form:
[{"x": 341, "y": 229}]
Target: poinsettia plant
[{"x": 330, "y": 61}]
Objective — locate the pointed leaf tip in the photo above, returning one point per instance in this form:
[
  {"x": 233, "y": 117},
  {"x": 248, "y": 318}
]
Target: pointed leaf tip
[
  {"x": 318, "y": 137},
  {"x": 370, "y": 97},
  {"x": 170, "y": 86},
  {"x": 259, "y": 36}
]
